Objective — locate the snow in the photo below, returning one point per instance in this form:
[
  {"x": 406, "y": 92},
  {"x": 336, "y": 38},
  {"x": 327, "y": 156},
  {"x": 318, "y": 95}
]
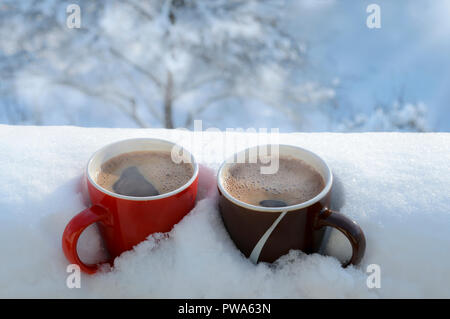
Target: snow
[{"x": 395, "y": 185}]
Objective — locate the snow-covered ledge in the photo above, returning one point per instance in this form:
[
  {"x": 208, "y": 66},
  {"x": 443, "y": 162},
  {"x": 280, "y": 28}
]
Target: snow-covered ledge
[{"x": 396, "y": 186}]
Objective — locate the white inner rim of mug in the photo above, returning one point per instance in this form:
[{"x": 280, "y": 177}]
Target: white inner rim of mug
[
  {"x": 132, "y": 145},
  {"x": 284, "y": 150}
]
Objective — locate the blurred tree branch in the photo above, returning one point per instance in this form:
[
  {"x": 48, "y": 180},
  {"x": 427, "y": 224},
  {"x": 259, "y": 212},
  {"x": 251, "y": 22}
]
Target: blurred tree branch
[
  {"x": 168, "y": 50},
  {"x": 113, "y": 97}
]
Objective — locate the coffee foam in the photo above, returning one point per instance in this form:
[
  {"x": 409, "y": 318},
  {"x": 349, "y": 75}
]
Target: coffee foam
[
  {"x": 156, "y": 167},
  {"x": 295, "y": 182}
]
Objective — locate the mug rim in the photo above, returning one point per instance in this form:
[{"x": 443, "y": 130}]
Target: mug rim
[
  {"x": 146, "y": 198},
  {"x": 307, "y": 203}
]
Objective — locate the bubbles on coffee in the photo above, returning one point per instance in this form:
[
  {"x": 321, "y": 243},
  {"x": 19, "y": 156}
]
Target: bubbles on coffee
[
  {"x": 143, "y": 173},
  {"x": 295, "y": 182}
]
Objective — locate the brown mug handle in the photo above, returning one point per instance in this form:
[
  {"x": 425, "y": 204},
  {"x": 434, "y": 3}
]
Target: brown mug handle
[{"x": 349, "y": 228}]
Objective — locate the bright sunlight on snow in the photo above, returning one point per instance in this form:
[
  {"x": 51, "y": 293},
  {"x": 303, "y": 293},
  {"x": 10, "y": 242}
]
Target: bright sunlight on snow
[{"x": 395, "y": 185}]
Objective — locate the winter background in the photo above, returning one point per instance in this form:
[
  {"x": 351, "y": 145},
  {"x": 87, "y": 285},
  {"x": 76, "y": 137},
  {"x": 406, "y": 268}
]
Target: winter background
[
  {"x": 138, "y": 68},
  {"x": 310, "y": 65}
]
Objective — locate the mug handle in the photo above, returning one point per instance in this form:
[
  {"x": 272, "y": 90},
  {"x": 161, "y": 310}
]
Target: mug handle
[
  {"x": 73, "y": 231},
  {"x": 349, "y": 228}
]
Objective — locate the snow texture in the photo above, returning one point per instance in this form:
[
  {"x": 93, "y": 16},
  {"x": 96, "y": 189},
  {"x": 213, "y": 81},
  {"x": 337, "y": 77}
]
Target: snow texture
[{"x": 395, "y": 185}]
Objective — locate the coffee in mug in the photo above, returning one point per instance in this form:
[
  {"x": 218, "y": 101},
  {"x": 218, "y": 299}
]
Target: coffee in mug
[
  {"x": 267, "y": 215},
  {"x": 294, "y": 182},
  {"x": 135, "y": 190},
  {"x": 143, "y": 173}
]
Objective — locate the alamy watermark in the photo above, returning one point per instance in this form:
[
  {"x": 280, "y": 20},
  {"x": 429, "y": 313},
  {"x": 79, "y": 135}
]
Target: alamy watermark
[
  {"x": 74, "y": 278},
  {"x": 374, "y": 278},
  {"x": 373, "y": 20},
  {"x": 73, "y": 20},
  {"x": 261, "y": 145}
]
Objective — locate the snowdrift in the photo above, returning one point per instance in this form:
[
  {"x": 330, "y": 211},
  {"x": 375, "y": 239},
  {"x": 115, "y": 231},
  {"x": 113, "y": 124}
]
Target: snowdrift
[{"x": 395, "y": 185}]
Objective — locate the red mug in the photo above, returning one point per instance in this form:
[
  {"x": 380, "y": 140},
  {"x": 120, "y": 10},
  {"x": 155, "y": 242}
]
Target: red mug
[{"x": 125, "y": 221}]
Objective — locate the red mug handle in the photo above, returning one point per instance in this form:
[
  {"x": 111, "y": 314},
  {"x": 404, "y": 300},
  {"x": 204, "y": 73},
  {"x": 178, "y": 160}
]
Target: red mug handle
[
  {"x": 349, "y": 228},
  {"x": 73, "y": 231}
]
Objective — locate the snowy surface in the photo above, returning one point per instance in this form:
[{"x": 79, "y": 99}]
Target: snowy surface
[{"x": 396, "y": 186}]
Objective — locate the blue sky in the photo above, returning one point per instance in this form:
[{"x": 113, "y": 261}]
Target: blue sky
[{"x": 408, "y": 56}]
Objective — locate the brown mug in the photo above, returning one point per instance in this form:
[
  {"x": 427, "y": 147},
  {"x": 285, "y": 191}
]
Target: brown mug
[{"x": 267, "y": 233}]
